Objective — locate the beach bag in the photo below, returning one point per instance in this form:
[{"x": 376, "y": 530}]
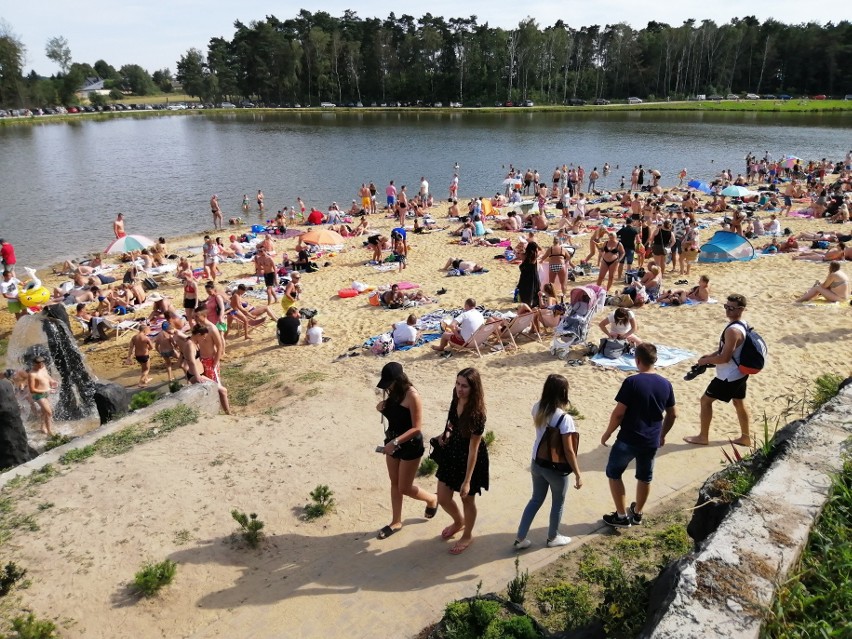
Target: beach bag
[
  {"x": 630, "y": 277},
  {"x": 613, "y": 348},
  {"x": 149, "y": 284},
  {"x": 551, "y": 450},
  {"x": 383, "y": 344},
  {"x": 753, "y": 353},
  {"x": 437, "y": 453}
]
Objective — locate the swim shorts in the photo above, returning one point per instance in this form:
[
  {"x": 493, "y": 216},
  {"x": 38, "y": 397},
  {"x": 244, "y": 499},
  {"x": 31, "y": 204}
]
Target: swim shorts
[
  {"x": 142, "y": 359},
  {"x": 270, "y": 279},
  {"x": 211, "y": 370},
  {"x": 189, "y": 302},
  {"x": 726, "y": 391},
  {"x": 38, "y": 396}
]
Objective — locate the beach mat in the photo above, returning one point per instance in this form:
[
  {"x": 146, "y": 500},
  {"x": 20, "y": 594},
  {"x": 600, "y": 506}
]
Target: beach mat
[{"x": 666, "y": 356}]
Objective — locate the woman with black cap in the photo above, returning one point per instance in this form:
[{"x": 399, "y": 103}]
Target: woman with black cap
[{"x": 403, "y": 447}]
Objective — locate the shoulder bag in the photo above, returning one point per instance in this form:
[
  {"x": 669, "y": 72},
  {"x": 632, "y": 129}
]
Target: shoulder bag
[{"x": 551, "y": 451}]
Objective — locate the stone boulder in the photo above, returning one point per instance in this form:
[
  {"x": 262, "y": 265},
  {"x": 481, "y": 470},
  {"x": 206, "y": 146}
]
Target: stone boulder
[
  {"x": 112, "y": 400},
  {"x": 14, "y": 447}
]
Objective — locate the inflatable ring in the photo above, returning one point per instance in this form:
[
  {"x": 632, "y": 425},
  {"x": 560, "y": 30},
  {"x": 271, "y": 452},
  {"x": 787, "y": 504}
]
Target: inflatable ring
[
  {"x": 347, "y": 292},
  {"x": 35, "y": 296}
]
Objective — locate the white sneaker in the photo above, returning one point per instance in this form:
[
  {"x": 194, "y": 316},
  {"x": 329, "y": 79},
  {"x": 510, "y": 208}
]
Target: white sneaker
[
  {"x": 522, "y": 545},
  {"x": 559, "y": 540}
]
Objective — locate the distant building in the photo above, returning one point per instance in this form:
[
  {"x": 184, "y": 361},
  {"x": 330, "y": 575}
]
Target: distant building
[{"x": 92, "y": 86}]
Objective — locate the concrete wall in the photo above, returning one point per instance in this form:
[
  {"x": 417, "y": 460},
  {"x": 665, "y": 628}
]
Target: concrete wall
[{"x": 723, "y": 590}]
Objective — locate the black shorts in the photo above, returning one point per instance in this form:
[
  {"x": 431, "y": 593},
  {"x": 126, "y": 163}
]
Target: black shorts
[
  {"x": 143, "y": 359},
  {"x": 677, "y": 247},
  {"x": 726, "y": 391},
  {"x": 410, "y": 450},
  {"x": 270, "y": 279},
  {"x": 189, "y": 303}
]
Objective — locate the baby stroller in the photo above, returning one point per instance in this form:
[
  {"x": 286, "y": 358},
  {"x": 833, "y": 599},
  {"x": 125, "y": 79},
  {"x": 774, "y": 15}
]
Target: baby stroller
[{"x": 584, "y": 303}]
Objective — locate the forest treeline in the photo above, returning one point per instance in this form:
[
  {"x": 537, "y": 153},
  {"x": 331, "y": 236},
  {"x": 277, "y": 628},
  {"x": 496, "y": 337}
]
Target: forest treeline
[{"x": 316, "y": 57}]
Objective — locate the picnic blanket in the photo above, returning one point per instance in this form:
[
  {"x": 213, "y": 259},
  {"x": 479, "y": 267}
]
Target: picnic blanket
[
  {"x": 666, "y": 356},
  {"x": 423, "y": 339}
]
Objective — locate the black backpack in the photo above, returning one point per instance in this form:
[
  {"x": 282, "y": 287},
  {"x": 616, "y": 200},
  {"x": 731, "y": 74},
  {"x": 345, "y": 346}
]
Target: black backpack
[{"x": 753, "y": 353}]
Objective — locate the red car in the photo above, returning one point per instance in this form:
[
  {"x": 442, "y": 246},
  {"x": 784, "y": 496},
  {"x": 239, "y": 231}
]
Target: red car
[
  {"x": 73, "y": 110},
  {"x": 821, "y": 96}
]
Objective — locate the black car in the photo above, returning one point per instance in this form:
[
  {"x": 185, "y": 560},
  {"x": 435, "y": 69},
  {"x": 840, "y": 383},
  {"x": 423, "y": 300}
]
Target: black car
[
  {"x": 768, "y": 96},
  {"x": 246, "y": 104},
  {"x": 575, "y": 102},
  {"x": 714, "y": 97},
  {"x": 601, "y": 102}
]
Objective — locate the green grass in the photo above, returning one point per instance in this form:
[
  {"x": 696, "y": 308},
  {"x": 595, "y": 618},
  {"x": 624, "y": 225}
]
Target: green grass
[
  {"x": 574, "y": 603},
  {"x": 242, "y": 384},
  {"x": 427, "y": 468},
  {"x": 143, "y": 399},
  {"x": 816, "y": 601},
  {"x": 311, "y": 377},
  {"x": 56, "y": 440},
  {"x": 489, "y": 438},
  {"x": 826, "y": 387},
  {"x": 152, "y": 577},
  {"x": 125, "y": 439},
  {"x": 30, "y": 627}
]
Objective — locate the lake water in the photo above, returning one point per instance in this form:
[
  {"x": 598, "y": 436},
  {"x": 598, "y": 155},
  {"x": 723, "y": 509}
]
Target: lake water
[{"x": 63, "y": 183}]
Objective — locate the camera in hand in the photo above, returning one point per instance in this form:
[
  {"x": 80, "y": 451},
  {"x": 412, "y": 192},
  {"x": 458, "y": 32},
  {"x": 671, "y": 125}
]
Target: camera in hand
[{"x": 696, "y": 370}]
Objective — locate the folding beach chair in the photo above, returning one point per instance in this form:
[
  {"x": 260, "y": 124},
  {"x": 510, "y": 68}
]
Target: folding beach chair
[
  {"x": 478, "y": 340},
  {"x": 522, "y": 325}
]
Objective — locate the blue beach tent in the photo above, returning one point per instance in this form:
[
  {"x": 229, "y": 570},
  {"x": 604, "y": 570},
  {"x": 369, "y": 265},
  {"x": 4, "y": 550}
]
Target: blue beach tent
[{"x": 725, "y": 246}]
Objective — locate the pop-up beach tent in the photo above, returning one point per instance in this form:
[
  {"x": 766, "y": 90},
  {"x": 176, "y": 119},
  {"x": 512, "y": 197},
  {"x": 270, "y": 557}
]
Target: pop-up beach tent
[{"x": 725, "y": 246}]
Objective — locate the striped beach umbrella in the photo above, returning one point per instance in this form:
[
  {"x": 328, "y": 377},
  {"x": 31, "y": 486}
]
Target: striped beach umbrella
[{"x": 129, "y": 243}]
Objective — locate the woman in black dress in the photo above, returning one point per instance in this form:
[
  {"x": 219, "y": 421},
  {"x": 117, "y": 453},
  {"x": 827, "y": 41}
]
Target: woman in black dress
[
  {"x": 403, "y": 443},
  {"x": 529, "y": 284},
  {"x": 464, "y": 466}
]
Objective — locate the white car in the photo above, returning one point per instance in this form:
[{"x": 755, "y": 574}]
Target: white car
[
  {"x": 634, "y": 101},
  {"x": 327, "y": 105},
  {"x": 752, "y": 96},
  {"x": 732, "y": 96}
]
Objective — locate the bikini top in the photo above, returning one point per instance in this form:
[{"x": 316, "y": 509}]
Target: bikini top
[{"x": 610, "y": 251}]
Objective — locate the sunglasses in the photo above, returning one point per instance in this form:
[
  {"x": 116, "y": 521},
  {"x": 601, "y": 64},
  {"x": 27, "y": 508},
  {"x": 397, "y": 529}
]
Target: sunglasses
[{"x": 729, "y": 307}]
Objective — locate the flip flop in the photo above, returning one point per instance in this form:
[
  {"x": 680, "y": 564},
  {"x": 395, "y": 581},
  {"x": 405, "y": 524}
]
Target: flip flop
[
  {"x": 449, "y": 532},
  {"x": 459, "y": 548},
  {"x": 387, "y": 531},
  {"x": 430, "y": 512}
]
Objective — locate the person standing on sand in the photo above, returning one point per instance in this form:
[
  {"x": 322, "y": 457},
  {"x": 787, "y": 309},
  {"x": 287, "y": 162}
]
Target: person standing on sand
[
  {"x": 549, "y": 417},
  {"x": 209, "y": 350},
  {"x": 164, "y": 344},
  {"x": 403, "y": 446},
  {"x": 41, "y": 384},
  {"x": 390, "y": 193},
  {"x": 7, "y": 255},
  {"x": 464, "y": 465},
  {"x": 118, "y": 226},
  {"x": 644, "y": 414},
  {"x": 266, "y": 266},
  {"x": 140, "y": 347},
  {"x": 729, "y": 384},
  {"x": 216, "y": 210},
  {"x": 194, "y": 372}
]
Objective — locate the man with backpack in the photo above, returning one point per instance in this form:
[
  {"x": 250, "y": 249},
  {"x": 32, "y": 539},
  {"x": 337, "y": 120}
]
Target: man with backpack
[{"x": 730, "y": 381}]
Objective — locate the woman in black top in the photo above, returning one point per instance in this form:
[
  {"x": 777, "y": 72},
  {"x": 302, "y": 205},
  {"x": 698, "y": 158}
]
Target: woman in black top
[
  {"x": 464, "y": 469},
  {"x": 403, "y": 443},
  {"x": 662, "y": 238},
  {"x": 529, "y": 284}
]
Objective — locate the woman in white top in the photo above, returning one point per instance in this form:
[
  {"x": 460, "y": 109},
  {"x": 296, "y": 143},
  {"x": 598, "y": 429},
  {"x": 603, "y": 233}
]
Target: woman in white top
[
  {"x": 313, "y": 336},
  {"x": 549, "y": 412},
  {"x": 621, "y": 325}
]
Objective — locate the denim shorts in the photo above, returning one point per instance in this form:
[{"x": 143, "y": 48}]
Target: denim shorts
[{"x": 622, "y": 454}]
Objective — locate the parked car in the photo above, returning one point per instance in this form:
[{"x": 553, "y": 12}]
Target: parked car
[
  {"x": 509, "y": 103},
  {"x": 576, "y": 102},
  {"x": 438, "y": 105},
  {"x": 246, "y": 104},
  {"x": 634, "y": 101},
  {"x": 848, "y": 96},
  {"x": 714, "y": 97},
  {"x": 752, "y": 96},
  {"x": 327, "y": 105},
  {"x": 701, "y": 96},
  {"x": 732, "y": 96},
  {"x": 784, "y": 96},
  {"x": 768, "y": 96},
  {"x": 455, "y": 105},
  {"x": 528, "y": 103},
  {"x": 821, "y": 96},
  {"x": 227, "y": 105},
  {"x": 601, "y": 102}
]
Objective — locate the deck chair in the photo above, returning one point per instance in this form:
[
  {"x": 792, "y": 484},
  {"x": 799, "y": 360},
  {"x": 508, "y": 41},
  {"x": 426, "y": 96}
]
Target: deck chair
[
  {"x": 480, "y": 337},
  {"x": 521, "y": 325},
  {"x": 548, "y": 319}
]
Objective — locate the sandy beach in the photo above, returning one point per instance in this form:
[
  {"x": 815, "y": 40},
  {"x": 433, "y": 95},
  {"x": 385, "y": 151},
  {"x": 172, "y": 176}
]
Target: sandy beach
[{"x": 314, "y": 421}]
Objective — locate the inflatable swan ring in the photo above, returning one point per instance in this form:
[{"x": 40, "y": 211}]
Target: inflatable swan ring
[{"x": 33, "y": 293}]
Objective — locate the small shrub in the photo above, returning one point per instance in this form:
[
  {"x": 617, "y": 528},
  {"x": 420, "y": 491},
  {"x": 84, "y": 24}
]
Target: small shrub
[
  {"x": 674, "y": 539},
  {"x": 427, "y": 467},
  {"x": 31, "y": 628},
  {"x": 574, "y": 603},
  {"x": 152, "y": 577},
  {"x": 625, "y": 598},
  {"x": 515, "y": 627},
  {"x": 56, "y": 440},
  {"x": 489, "y": 438},
  {"x": 323, "y": 499},
  {"x": 175, "y": 417},
  {"x": 251, "y": 527},
  {"x": 142, "y": 399},
  {"x": 11, "y": 575},
  {"x": 826, "y": 387},
  {"x": 175, "y": 386},
  {"x": 517, "y": 587}
]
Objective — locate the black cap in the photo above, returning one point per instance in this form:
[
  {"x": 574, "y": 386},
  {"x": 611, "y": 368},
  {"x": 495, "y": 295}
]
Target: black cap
[{"x": 390, "y": 373}]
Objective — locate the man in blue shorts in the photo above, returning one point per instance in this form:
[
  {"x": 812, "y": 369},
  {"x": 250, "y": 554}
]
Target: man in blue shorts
[{"x": 645, "y": 412}]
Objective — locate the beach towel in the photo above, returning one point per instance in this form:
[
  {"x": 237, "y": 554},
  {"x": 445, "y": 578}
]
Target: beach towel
[
  {"x": 384, "y": 268},
  {"x": 666, "y": 356},
  {"x": 454, "y": 272},
  {"x": 710, "y": 300},
  {"x": 423, "y": 339}
]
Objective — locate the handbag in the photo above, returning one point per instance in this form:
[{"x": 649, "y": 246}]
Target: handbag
[
  {"x": 613, "y": 348},
  {"x": 438, "y": 452},
  {"x": 551, "y": 450}
]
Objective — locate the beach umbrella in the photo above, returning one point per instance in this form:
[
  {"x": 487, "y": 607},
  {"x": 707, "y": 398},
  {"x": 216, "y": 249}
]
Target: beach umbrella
[
  {"x": 698, "y": 185},
  {"x": 790, "y": 161},
  {"x": 512, "y": 181},
  {"x": 322, "y": 236},
  {"x": 737, "y": 191},
  {"x": 129, "y": 243}
]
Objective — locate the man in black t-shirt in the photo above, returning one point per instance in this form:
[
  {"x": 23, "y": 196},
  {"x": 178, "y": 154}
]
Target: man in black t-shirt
[
  {"x": 289, "y": 327},
  {"x": 627, "y": 236},
  {"x": 645, "y": 412}
]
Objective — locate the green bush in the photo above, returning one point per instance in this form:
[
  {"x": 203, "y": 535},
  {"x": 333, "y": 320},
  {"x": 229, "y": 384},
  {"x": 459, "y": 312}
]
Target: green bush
[
  {"x": 489, "y": 438},
  {"x": 323, "y": 502},
  {"x": 517, "y": 587},
  {"x": 517, "y": 627},
  {"x": 151, "y": 577},
  {"x": 573, "y": 602},
  {"x": 175, "y": 386},
  {"x": 427, "y": 468},
  {"x": 31, "y": 628},
  {"x": 142, "y": 399},
  {"x": 826, "y": 387},
  {"x": 251, "y": 527}
]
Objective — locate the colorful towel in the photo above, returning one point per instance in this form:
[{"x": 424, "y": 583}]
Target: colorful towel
[
  {"x": 710, "y": 300},
  {"x": 424, "y": 339},
  {"x": 666, "y": 356}
]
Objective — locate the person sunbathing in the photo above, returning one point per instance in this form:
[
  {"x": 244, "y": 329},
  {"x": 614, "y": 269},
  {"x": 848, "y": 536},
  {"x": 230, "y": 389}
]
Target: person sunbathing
[
  {"x": 465, "y": 266},
  {"x": 700, "y": 293},
  {"x": 835, "y": 288},
  {"x": 836, "y": 253}
]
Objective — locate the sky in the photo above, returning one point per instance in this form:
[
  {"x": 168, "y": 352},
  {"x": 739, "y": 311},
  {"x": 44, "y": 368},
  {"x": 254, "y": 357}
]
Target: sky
[{"x": 155, "y": 33}]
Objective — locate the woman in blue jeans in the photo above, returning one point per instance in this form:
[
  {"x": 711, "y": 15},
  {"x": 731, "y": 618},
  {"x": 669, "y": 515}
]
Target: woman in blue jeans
[{"x": 549, "y": 412}]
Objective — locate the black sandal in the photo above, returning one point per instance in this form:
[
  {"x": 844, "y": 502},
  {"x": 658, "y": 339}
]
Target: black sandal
[
  {"x": 430, "y": 512},
  {"x": 387, "y": 531}
]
